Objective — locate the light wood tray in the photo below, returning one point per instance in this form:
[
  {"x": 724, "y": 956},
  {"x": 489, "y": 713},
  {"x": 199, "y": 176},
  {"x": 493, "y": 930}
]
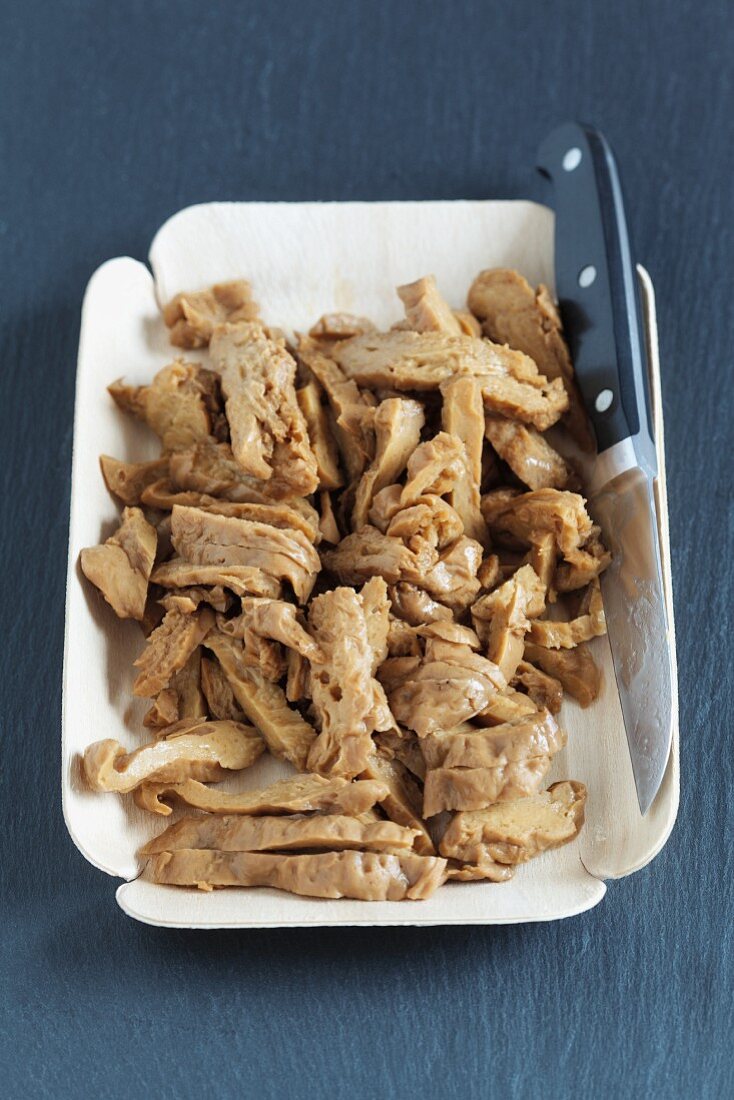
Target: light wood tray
[{"x": 304, "y": 259}]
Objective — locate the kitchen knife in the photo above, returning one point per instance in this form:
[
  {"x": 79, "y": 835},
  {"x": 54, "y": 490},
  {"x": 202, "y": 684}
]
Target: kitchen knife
[{"x": 597, "y": 288}]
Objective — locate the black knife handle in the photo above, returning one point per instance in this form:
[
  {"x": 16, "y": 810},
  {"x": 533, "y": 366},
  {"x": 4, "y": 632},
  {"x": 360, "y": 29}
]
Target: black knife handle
[{"x": 598, "y": 286}]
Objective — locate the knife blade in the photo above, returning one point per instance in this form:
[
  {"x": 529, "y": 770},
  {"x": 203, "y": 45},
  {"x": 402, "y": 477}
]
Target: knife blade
[{"x": 598, "y": 294}]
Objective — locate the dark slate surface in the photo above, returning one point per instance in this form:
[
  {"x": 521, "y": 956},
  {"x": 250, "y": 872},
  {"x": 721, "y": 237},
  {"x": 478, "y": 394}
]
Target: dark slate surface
[{"x": 115, "y": 115}]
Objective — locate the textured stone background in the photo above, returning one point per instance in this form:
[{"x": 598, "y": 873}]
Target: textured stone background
[{"x": 112, "y": 116}]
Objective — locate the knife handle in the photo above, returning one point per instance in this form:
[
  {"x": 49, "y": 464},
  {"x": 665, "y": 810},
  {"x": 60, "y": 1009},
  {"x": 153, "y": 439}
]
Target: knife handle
[{"x": 598, "y": 287}]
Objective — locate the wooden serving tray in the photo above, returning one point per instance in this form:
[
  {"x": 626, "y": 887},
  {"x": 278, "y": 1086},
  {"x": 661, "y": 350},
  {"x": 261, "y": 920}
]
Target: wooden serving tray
[{"x": 304, "y": 259}]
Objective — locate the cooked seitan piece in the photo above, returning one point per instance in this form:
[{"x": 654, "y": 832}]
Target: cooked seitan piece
[
  {"x": 435, "y": 467},
  {"x": 347, "y": 699},
  {"x": 502, "y": 617},
  {"x": 168, "y": 649},
  {"x": 591, "y": 623},
  {"x": 403, "y": 800},
  {"x": 543, "y": 690},
  {"x": 476, "y": 788},
  {"x": 582, "y": 566},
  {"x": 453, "y": 578},
  {"x": 192, "y": 316},
  {"x": 366, "y": 876},
  {"x": 467, "y": 322},
  {"x": 376, "y": 608},
  {"x": 496, "y": 500},
  {"x": 514, "y": 832},
  {"x": 241, "y": 833},
  {"x": 449, "y": 631},
  {"x": 243, "y": 580},
  {"x": 529, "y": 516},
  {"x": 415, "y": 606},
  {"x": 183, "y": 698},
  {"x": 425, "y": 309},
  {"x": 210, "y": 467},
  {"x": 328, "y": 527},
  {"x": 127, "y": 480},
  {"x": 353, "y": 416},
  {"x": 204, "y": 538},
  {"x": 195, "y": 749},
  {"x": 320, "y": 436},
  {"x": 520, "y": 739},
  {"x": 182, "y": 404},
  {"x": 543, "y": 557},
  {"x": 456, "y": 871},
  {"x": 402, "y": 640},
  {"x": 527, "y": 453},
  {"x": 287, "y": 735},
  {"x": 219, "y": 695},
  {"x": 398, "y": 423},
  {"x": 120, "y": 568},
  {"x": 163, "y": 711},
  {"x": 295, "y": 513},
  {"x": 369, "y": 553},
  {"x": 298, "y": 677},
  {"x": 448, "y": 685},
  {"x": 265, "y": 421},
  {"x": 505, "y": 707},
  {"x": 575, "y": 668},
  {"x": 340, "y": 326},
  {"x": 273, "y": 619},
  {"x": 299, "y": 794},
  {"x": 463, "y": 419},
  {"x": 512, "y": 313},
  {"x": 402, "y": 745},
  {"x": 488, "y": 573},
  {"x": 429, "y": 520},
  {"x": 189, "y": 599}
]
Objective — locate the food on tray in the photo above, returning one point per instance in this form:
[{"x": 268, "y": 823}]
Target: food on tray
[{"x": 364, "y": 545}]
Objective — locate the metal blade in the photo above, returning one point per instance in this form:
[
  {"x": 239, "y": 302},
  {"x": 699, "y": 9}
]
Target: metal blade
[{"x": 637, "y": 623}]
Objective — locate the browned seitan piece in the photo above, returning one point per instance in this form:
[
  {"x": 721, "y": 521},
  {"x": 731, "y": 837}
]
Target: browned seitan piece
[
  {"x": 340, "y": 326},
  {"x": 344, "y": 692},
  {"x": 429, "y": 519},
  {"x": 590, "y": 623},
  {"x": 328, "y": 527},
  {"x": 210, "y": 467},
  {"x": 449, "y": 685},
  {"x": 502, "y": 617},
  {"x": 376, "y": 607},
  {"x": 365, "y": 876},
  {"x": 514, "y": 832},
  {"x": 398, "y": 423},
  {"x": 402, "y": 745},
  {"x": 189, "y": 599},
  {"x": 197, "y": 750},
  {"x": 529, "y": 516},
  {"x": 476, "y": 788},
  {"x": 273, "y": 619},
  {"x": 353, "y": 416},
  {"x": 520, "y": 739},
  {"x": 462, "y": 418},
  {"x": 168, "y": 649},
  {"x": 218, "y": 693},
  {"x": 425, "y": 309},
  {"x": 295, "y": 513},
  {"x": 456, "y": 871},
  {"x": 582, "y": 566},
  {"x": 243, "y": 580},
  {"x": 435, "y": 467},
  {"x": 182, "y": 404},
  {"x": 204, "y": 538},
  {"x": 403, "y": 360},
  {"x": 575, "y": 668},
  {"x": 368, "y": 553},
  {"x": 543, "y": 690},
  {"x": 488, "y": 573},
  {"x": 287, "y": 734},
  {"x": 527, "y": 453},
  {"x": 414, "y": 606},
  {"x": 127, "y": 480},
  {"x": 505, "y": 707},
  {"x": 513, "y": 313},
  {"x": 267, "y": 426},
  {"x": 183, "y": 698},
  {"x": 403, "y": 801},
  {"x": 320, "y": 436},
  {"x": 120, "y": 568},
  {"x": 240, "y": 833},
  {"x": 192, "y": 316},
  {"x": 299, "y": 794},
  {"x": 452, "y": 579}
]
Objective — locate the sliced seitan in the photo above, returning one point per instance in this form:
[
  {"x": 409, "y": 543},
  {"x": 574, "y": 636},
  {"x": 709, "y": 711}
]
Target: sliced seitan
[
  {"x": 243, "y": 580},
  {"x": 369, "y": 553},
  {"x": 414, "y": 605},
  {"x": 398, "y": 423},
  {"x": 528, "y": 454},
  {"x": 575, "y": 668},
  {"x": 182, "y": 404},
  {"x": 529, "y": 516},
  {"x": 218, "y": 693},
  {"x": 462, "y": 418},
  {"x": 295, "y": 514},
  {"x": 193, "y": 315},
  {"x": 168, "y": 649},
  {"x": 210, "y": 467},
  {"x": 425, "y": 309},
  {"x": 543, "y": 690},
  {"x": 121, "y": 567},
  {"x": 403, "y": 800},
  {"x": 476, "y": 788},
  {"x": 127, "y": 480},
  {"x": 520, "y": 739},
  {"x": 591, "y": 623},
  {"x": 320, "y": 436}
]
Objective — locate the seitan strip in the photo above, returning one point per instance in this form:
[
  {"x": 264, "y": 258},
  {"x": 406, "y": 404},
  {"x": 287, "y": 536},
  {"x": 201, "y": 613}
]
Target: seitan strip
[
  {"x": 168, "y": 649},
  {"x": 582, "y": 566},
  {"x": 322, "y": 441},
  {"x": 463, "y": 418},
  {"x": 293, "y": 514},
  {"x": 287, "y": 735},
  {"x": 368, "y": 553},
  {"x": 340, "y": 326},
  {"x": 190, "y": 598},
  {"x": 456, "y": 871},
  {"x": 210, "y": 467},
  {"x": 442, "y": 689},
  {"x": 182, "y": 404},
  {"x": 414, "y": 606},
  {"x": 514, "y": 832},
  {"x": 560, "y": 635},
  {"x": 476, "y": 788},
  {"x": 243, "y": 580},
  {"x": 219, "y": 695},
  {"x": 529, "y": 516},
  {"x": 520, "y": 739},
  {"x": 267, "y": 426},
  {"x": 366, "y": 876},
  {"x": 543, "y": 690},
  {"x": 198, "y": 750},
  {"x": 528, "y": 454},
  {"x": 299, "y": 794},
  {"x": 128, "y": 480},
  {"x": 193, "y": 315},
  {"x": 425, "y": 309},
  {"x": 204, "y": 538},
  {"x": 402, "y": 803},
  {"x": 120, "y": 568},
  {"x": 575, "y": 668},
  {"x": 272, "y": 834},
  {"x": 398, "y": 423}
]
